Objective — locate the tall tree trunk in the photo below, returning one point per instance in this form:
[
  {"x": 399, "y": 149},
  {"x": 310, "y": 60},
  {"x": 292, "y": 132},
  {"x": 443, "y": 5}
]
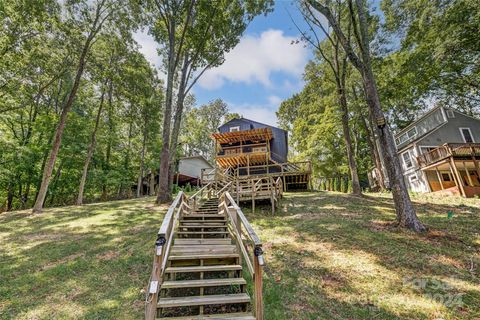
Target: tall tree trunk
[
  {"x": 378, "y": 156},
  {"x": 10, "y": 194},
  {"x": 164, "y": 195},
  {"x": 55, "y": 179},
  {"x": 177, "y": 122},
  {"x": 352, "y": 164},
  {"x": 108, "y": 152},
  {"x": 406, "y": 215},
  {"x": 125, "y": 190},
  {"x": 372, "y": 144},
  {"x": 91, "y": 148},
  {"x": 151, "y": 189},
  {"x": 142, "y": 160},
  {"x": 47, "y": 173}
]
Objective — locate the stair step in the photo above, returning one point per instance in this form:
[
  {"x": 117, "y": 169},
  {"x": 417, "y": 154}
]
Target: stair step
[
  {"x": 202, "y": 232},
  {"x": 202, "y": 223},
  {"x": 203, "y": 249},
  {"x": 197, "y": 241},
  {"x": 206, "y": 215},
  {"x": 236, "y": 316},
  {"x": 203, "y": 300},
  {"x": 197, "y": 256},
  {"x": 202, "y": 226},
  {"x": 226, "y": 267},
  {"x": 203, "y": 283}
]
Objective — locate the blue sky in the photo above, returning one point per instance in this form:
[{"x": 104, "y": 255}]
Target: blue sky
[{"x": 261, "y": 71}]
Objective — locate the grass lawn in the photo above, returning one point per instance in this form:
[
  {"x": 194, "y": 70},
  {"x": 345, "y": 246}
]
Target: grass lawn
[{"x": 329, "y": 256}]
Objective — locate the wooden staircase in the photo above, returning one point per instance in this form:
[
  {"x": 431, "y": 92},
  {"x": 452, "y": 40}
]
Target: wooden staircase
[{"x": 198, "y": 265}]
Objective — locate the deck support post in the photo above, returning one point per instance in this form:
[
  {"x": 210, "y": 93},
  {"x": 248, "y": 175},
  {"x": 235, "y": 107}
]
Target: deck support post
[
  {"x": 439, "y": 178},
  {"x": 457, "y": 177},
  {"x": 475, "y": 161},
  {"x": 469, "y": 179},
  {"x": 253, "y": 195}
]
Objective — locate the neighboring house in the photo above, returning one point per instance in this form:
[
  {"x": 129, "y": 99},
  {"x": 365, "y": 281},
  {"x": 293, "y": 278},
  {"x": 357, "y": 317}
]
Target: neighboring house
[
  {"x": 441, "y": 152},
  {"x": 189, "y": 170}
]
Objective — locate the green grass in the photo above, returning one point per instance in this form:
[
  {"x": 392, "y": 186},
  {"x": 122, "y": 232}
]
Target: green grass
[
  {"x": 335, "y": 256},
  {"x": 329, "y": 256},
  {"x": 89, "y": 262}
]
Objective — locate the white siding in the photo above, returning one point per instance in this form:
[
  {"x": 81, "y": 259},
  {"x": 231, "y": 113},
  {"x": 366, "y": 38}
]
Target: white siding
[{"x": 192, "y": 167}]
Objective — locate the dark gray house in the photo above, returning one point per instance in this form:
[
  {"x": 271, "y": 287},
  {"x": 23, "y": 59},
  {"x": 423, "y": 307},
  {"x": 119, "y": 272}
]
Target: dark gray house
[
  {"x": 440, "y": 151},
  {"x": 244, "y": 142}
]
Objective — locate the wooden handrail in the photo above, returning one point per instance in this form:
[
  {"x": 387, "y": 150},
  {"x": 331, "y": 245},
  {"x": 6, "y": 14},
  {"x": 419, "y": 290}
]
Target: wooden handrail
[
  {"x": 250, "y": 232},
  {"x": 199, "y": 192},
  {"x": 448, "y": 150},
  {"x": 237, "y": 220},
  {"x": 301, "y": 166},
  {"x": 225, "y": 188},
  {"x": 162, "y": 249}
]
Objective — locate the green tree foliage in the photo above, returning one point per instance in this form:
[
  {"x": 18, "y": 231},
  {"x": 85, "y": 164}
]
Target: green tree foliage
[
  {"x": 200, "y": 123},
  {"x": 439, "y": 51},
  {"x": 40, "y": 50},
  {"x": 313, "y": 118}
]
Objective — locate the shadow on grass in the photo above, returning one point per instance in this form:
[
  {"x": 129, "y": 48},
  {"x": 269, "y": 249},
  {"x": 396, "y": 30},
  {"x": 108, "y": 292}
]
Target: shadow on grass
[
  {"x": 90, "y": 262},
  {"x": 353, "y": 261}
]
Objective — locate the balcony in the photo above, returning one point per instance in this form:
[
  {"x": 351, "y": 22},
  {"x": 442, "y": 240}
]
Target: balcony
[
  {"x": 249, "y": 154},
  {"x": 459, "y": 151}
]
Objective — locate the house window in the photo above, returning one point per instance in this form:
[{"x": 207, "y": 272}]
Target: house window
[
  {"x": 467, "y": 135},
  {"x": 446, "y": 176},
  {"x": 409, "y": 135},
  {"x": 413, "y": 178},
  {"x": 412, "y": 133},
  {"x": 407, "y": 160},
  {"x": 231, "y": 151},
  {"x": 235, "y": 129},
  {"x": 259, "y": 149},
  {"x": 450, "y": 114}
]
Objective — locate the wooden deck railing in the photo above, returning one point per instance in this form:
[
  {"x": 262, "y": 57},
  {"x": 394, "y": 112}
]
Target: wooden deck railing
[
  {"x": 236, "y": 150},
  {"x": 205, "y": 192},
  {"x": 274, "y": 169},
  {"x": 162, "y": 249},
  {"x": 249, "y": 245},
  {"x": 460, "y": 150}
]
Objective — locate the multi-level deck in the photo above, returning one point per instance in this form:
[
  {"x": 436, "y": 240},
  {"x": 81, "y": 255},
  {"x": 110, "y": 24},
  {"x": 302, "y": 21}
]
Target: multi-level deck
[
  {"x": 453, "y": 168},
  {"x": 248, "y": 150}
]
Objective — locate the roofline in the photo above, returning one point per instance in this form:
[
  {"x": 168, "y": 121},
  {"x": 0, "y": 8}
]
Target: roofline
[
  {"x": 196, "y": 157},
  {"x": 251, "y": 121},
  {"x": 417, "y": 120},
  {"x": 414, "y": 142}
]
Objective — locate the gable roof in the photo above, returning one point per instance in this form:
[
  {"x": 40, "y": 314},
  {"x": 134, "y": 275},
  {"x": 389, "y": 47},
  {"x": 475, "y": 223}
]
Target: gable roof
[
  {"x": 196, "y": 157},
  {"x": 411, "y": 125},
  {"x": 249, "y": 121}
]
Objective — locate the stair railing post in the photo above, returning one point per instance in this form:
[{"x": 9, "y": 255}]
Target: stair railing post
[
  {"x": 154, "y": 286},
  {"x": 232, "y": 211},
  {"x": 258, "y": 263}
]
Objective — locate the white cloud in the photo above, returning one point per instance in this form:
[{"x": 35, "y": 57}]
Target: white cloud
[
  {"x": 274, "y": 101},
  {"x": 261, "y": 113},
  {"x": 148, "y": 47},
  {"x": 256, "y": 57}
]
